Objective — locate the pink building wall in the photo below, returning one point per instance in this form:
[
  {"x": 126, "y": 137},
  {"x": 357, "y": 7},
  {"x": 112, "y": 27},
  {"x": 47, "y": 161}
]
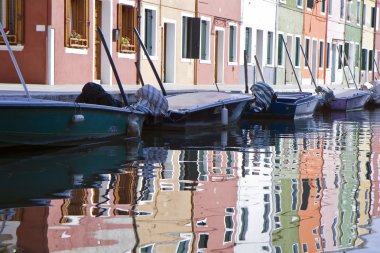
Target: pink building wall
[
  {"x": 221, "y": 12},
  {"x": 314, "y": 28},
  {"x": 377, "y": 42},
  {"x": 32, "y": 58}
]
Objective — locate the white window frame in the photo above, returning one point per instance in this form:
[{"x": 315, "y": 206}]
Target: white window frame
[
  {"x": 342, "y": 9},
  {"x": 235, "y": 46},
  {"x": 364, "y": 15},
  {"x": 188, "y": 15},
  {"x": 329, "y": 8},
  {"x": 154, "y": 55},
  {"x": 358, "y": 4},
  {"x": 208, "y": 27},
  {"x": 348, "y": 11},
  {"x": 328, "y": 59}
]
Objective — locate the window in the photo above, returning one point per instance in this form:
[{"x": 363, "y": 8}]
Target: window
[
  {"x": 340, "y": 54},
  {"x": 248, "y": 43},
  {"x": 205, "y": 40},
  {"x": 298, "y": 52},
  {"x": 12, "y": 19},
  {"x": 150, "y": 31},
  {"x": 372, "y": 16},
  {"x": 348, "y": 11},
  {"x": 232, "y": 44},
  {"x": 323, "y": 6},
  {"x": 183, "y": 247},
  {"x": 269, "y": 48},
  {"x": 76, "y": 23},
  {"x": 299, "y": 3},
  {"x": 364, "y": 14},
  {"x": 125, "y": 24},
  {"x": 358, "y": 12},
  {"x": 190, "y": 37},
  {"x": 328, "y": 55},
  {"x": 203, "y": 240},
  {"x": 280, "y": 59},
  {"x": 370, "y": 60},
  {"x": 357, "y": 52},
  {"x": 346, "y": 53},
  {"x": 321, "y": 47},
  {"x": 307, "y": 48},
  {"x": 310, "y": 4},
  {"x": 329, "y": 7},
  {"x": 341, "y": 9},
  {"x": 364, "y": 59}
]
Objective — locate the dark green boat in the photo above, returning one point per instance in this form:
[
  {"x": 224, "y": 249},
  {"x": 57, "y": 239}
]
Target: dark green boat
[{"x": 42, "y": 122}]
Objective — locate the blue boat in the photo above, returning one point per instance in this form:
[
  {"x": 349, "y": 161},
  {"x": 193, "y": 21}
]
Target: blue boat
[{"x": 280, "y": 105}]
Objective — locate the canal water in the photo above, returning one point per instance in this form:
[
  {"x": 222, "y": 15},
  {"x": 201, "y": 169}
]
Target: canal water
[{"x": 306, "y": 186}]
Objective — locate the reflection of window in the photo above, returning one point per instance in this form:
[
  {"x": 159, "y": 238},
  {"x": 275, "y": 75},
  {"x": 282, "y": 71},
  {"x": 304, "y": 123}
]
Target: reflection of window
[
  {"x": 76, "y": 23},
  {"x": 125, "y": 24},
  {"x": 12, "y": 19},
  {"x": 202, "y": 243},
  {"x": 183, "y": 247},
  {"x": 310, "y": 4}
]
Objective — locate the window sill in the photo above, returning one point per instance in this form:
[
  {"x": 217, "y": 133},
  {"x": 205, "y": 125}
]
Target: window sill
[
  {"x": 185, "y": 60},
  {"x": 205, "y": 61},
  {"x": 69, "y": 50},
  {"x": 126, "y": 56},
  {"x": 232, "y": 63},
  {"x": 14, "y": 48}
]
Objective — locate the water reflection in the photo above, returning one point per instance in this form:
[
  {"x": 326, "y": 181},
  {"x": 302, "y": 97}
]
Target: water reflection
[{"x": 307, "y": 186}]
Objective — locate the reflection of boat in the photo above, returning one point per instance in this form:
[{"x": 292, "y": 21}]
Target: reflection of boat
[{"x": 29, "y": 177}]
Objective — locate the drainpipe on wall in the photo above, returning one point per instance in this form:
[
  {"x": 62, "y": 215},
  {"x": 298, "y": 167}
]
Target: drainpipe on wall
[
  {"x": 196, "y": 60},
  {"x": 138, "y": 47}
]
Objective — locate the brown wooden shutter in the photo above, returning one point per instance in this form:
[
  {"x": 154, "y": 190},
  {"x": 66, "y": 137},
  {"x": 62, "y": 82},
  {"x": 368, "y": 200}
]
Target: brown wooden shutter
[
  {"x": 19, "y": 31},
  {"x": 67, "y": 21},
  {"x": 119, "y": 24},
  {"x": 87, "y": 22}
]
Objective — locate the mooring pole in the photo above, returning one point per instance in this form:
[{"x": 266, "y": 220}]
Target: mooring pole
[
  {"x": 246, "y": 71},
  {"x": 291, "y": 63},
  {"x": 150, "y": 61},
  {"x": 20, "y": 76},
  {"x": 113, "y": 66},
  {"x": 341, "y": 63},
  {"x": 308, "y": 66},
  {"x": 353, "y": 78},
  {"x": 259, "y": 67}
]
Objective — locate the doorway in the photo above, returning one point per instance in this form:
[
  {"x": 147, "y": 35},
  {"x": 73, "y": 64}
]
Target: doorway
[
  {"x": 259, "y": 49},
  {"x": 169, "y": 52},
  {"x": 97, "y": 57},
  {"x": 219, "y": 47}
]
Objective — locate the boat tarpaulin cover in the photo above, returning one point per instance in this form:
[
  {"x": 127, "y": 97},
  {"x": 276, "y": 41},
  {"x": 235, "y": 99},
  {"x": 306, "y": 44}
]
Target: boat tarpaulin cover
[
  {"x": 151, "y": 100},
  {"x": 263, "y": 96}
]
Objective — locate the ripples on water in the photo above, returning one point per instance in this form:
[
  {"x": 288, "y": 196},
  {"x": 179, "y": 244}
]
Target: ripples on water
[{"x": 307, "y": 186}]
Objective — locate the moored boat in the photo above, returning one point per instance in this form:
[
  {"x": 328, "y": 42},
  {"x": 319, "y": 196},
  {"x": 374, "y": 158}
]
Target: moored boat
[
  {"x": 43, "y": 122},
  {"x": 280, "y": 105},
  {"x": 349, "y": 100}
]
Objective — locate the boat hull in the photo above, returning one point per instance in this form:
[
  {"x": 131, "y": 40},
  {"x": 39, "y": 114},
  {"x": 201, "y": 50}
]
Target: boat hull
[
  {"x": 350, "y": 101},
  {"x": 288, "y": 105},
  {"x": 40, "y": 122},
  {"x": 206, "y": 114}
]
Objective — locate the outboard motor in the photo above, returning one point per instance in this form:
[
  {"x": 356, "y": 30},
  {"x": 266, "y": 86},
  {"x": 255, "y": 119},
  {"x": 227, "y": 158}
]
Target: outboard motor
[
  {"x": 327, "y": 95},
  {"x": 264, "y": 94},
  {"x": 151, "y": 101}
]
